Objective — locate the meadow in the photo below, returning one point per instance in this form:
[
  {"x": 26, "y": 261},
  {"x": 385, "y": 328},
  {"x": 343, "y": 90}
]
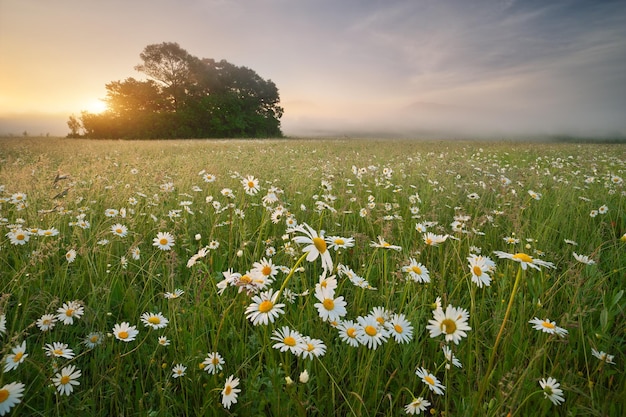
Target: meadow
[{"x": 312, "y": 277}]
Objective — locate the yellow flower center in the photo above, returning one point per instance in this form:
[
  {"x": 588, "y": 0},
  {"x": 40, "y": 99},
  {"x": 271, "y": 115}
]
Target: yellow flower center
[
  {"x": 477, "y": 271},
  {"x": 245, "y": 279},
  {"x": 329, "y": 303},
  {"x": 429, "y": 241},
  {"x": 416, "y": 269},
  {"x": 4, "y": 394},
  {"x": 339, "y": 241},
  {"x": 398, "y": 328},
  {"x": 289, "y": 341},
  {"x": 381, "y": 320},
  {"x": 309, "y": 347},
  {"x": 265, "y": 306},
  {"x": 123, "y": 334},
  {"x": 320, "y": 244},
  {"x": 93, "y": 339},
  {"x": 65, "y": 379},
  {"x": 429, "y": 380},
  {"x": 250, "y": 184},
  {"x": 154, "y": 320},
  {"x": 523, "y": 258},
  {"x": 58, "y": 352},
  {"x": 47, "y": 233},
  {"x": 351, "y": 332},
  {"x": 548, "y": 325},
  {"x": 18, "y": 356},
  {"x": 118, "y": 231},
  {"x": 215, "y": 361},
  {"x": 227, "y": 389},
  {"x": 266, "y": 270},
  {"x": 163, "y": 241},
  {"x": 20, "y": 236},
  {"x": 69, "y": 312},
  {"x": 448, "y": 326},
  {"x": 370, "y": 330}
]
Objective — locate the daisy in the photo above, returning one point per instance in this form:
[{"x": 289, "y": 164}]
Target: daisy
[
  {"x": 264, "y": 308},
  {"x": 59, "y": 350},
  {"x": 287, "y": 339},
  {"x": 135, "y": 253},
  {"x": 548, "y": 326},
  {"x": 583, "y": 259},
  {"x": 177, "y": 293},
  {"x": 417, "y": 272},
  {"x": 163, "y": 341},
  {"x": 208, "y": 177},
  {"x": 119, "y": 230},
  {"x": 304, "y": 377},
  {"x": 348, "y": 332},
  {"x": 93, "y": 339},
  {"x": 337, "y": 242},
  {"x": 213, "y": 363},
  {"x": 416, "y": 406},
  {"x": 53, "y": 231},
  {"x": 250, "y": 185},
  {"x": 111, "y": 212},
  {"x": 432, "y": 239},
  {"x": 452, "y": 323},
  {"x": 125, "y": 332},
  {"x": 552, "y": 391},
  {"x": 382, "y": 243},
  {"x": 311, "y": 348},
  {"x": 534, "y": 195},
  {"x": 178, "y": 370},
  {"x": 370, "y": 332},
  {"x": 480, "y": 266},
  {"x": 70, "y": 311},
  {"x": 329, "y": 283},
  {"x": 447, "y": 352},
  {"x": 329, "y": 308},
  {"x": 18, "y": 237},
  {"x": 431, "y": 380},
  {"x": 10, "y": 395},
  {"x": 603, "y": 209},
  {"x": 604, "y": 357},
  {"x": 524, "y": 260},
  {"x": 46, "y": 322},
  {"x": 316, "y": 245},
  {"x": 14, "y": 359},
  {"x": 266, "y": 268},
  {"x": 163, "y": 241},
  {"x": 400, "y": 328},
  {"x": 70, "y": 256},
  {"x": 156, "y": 321},
  {"x": 66, "y": 379},
  {"x": 229, "y": 393}
]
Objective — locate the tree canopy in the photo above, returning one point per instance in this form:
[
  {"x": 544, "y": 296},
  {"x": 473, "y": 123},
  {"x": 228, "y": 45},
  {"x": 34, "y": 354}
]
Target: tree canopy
[{"x": 184, "y": 97}]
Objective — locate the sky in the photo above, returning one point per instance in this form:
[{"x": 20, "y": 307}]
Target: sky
[{"x": 343, "y": 68}]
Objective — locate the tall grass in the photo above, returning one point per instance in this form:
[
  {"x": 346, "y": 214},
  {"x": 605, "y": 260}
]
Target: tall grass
[{"x": 359, "y": 189}]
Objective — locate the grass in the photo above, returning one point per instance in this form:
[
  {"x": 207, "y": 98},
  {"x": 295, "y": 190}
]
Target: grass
[{"x": 348, "y": 188}]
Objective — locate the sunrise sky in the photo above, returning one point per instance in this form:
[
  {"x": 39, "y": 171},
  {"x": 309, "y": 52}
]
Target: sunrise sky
[{"x": 342, "y": 67}]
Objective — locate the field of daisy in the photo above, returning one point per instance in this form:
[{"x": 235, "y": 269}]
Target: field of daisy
[{"x": 312, "y": 277}]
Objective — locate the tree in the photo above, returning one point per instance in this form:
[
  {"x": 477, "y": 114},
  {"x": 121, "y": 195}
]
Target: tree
[{"x": 185, "y": 97}]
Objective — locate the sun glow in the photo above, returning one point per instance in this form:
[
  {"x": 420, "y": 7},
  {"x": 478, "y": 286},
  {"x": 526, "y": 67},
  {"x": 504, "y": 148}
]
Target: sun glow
[{"x": 96, "y": 106}]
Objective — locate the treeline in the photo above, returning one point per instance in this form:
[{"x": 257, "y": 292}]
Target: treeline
[{"x": 184, "y": 97}]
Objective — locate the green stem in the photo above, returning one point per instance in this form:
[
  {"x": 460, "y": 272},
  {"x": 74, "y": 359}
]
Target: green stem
[{"x": 293, "y": 270}]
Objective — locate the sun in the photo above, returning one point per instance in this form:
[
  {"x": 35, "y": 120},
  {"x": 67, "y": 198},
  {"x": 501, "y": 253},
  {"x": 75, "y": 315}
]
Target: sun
[{"x": 96, "y": 106}]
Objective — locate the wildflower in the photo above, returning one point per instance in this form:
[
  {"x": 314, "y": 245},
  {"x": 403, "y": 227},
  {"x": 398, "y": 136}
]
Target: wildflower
[
  {"x": 14, "y": 359},
  {"x": 66, "y": 379},
  {"x": 119, "y": 230},
  {"x": 208, "y": 177},
  {"x": 525, "y": 260},
  {"x": 70, "y": 256},
  {"x": 93, "y": 339},
  {"x": 178, "y": 370},
  {"x": 316, "y": 245},
  {"x": 604, "y": 357},
  {"x": 548, "y": 326},
  {"x": 156, "y": 321},
  {"x": 370, "y": 332},
  {"x": 552, "y": 391},
  {"x": 311, "y": 348},
  {"x": 479, "y": 267},
  {"x": 18, "y": 237},
  {"x": 511, "y": 240},
  {"x": 264, "y": 308},
  {"x": 593, "y": 213},
  {"x": 125, "y": 332},
  {"x": 337, "y": 242},
  {"x": 616, "y": 180},
  {"x": 46, "y": 322},
  {"x": 59, "y": 350},
  {"x": 10, "y": 395},
  {"x": 53, "y": 231},
  {"x": 177, "y": 293},
  {"x": 452, "y": 323},
  {"x": 163, "y": 341},
  {"x": 382, "y": 243},
  {"x": 583, "y": 259},
  {"x": 400, "y": 328},
  {"x": 287, "y": 339},
  {"x": 447, "y": 352},
  {"x": 163, "y": 241},
  {"x": 111, "y": 212},
  {"x": 69, "y": 311},
  {"x": 416, "y": 406},
  {"x": 250, "y": 185},
  {"x": 432, "y": 239},
  {"x": 603, "y": 209},
  {"x": 214, "y": 244},
  {"x": 570, "y": 242},
  {"x": 266, "y": 268},
  {"x": 535, "y": 195},
  {"x": 213, "y": 363},
  {"x": 304, "y": 377},
  {"x": 431, "y": 380},
  {"x": 329, "y": 308},
  {"x": 230, "y": 391},
  {"x": 348, "y": 332},
  {"x": 417, "y": 272}
]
